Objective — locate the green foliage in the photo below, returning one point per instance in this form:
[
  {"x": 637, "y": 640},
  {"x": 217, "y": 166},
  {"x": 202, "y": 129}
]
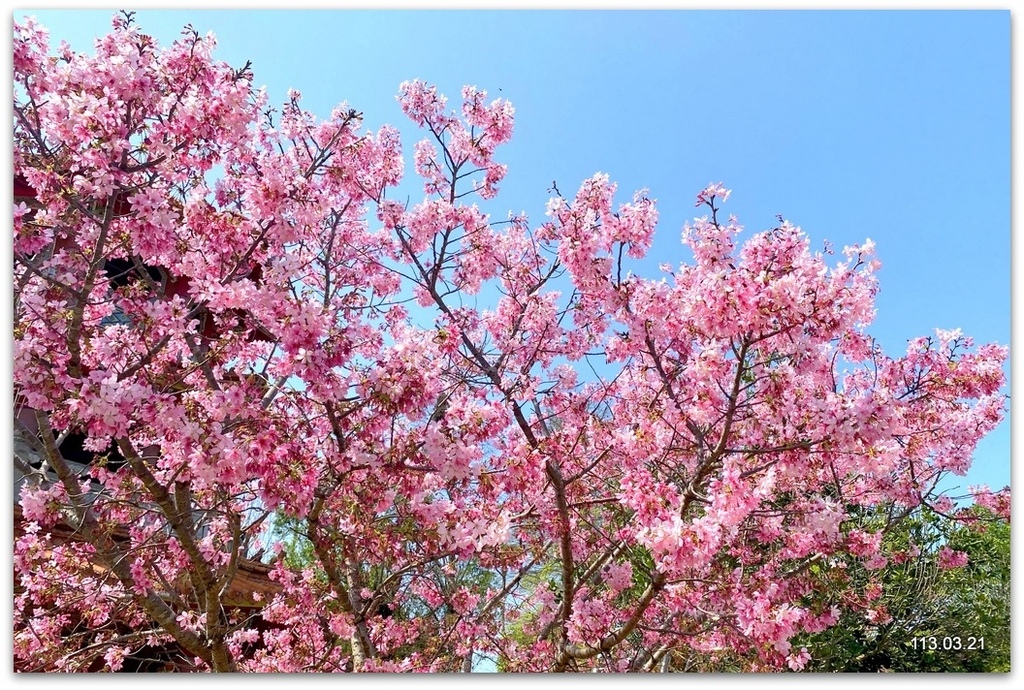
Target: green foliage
[
  {"x": 521, "y": 629},
  {"x": 298, "y": 549},
  {"x": 938, "y": 617}
]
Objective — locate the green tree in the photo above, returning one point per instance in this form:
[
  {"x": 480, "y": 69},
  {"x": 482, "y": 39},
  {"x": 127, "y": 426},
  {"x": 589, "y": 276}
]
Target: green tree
[{"x": 935, "y": 619}]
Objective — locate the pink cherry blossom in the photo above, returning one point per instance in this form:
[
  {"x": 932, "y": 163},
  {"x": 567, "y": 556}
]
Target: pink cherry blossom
[
  {"x": 949, "y": 559},
  {"x": 273, "y": 419}
]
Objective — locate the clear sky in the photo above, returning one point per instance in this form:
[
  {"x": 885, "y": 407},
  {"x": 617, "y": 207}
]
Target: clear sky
[{"x": 890, "y": 125}]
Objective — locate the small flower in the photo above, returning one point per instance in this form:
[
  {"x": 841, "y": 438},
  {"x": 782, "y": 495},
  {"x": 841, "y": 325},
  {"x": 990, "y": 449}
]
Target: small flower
[
  {"x": 949, "y": 559},
  {"x": 798, "y": 661},
  {"x": 711, "y": 192}
]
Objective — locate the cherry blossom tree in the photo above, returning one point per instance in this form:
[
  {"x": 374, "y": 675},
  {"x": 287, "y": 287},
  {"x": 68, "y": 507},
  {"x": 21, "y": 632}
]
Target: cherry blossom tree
[{"x": 487, "y": 436}]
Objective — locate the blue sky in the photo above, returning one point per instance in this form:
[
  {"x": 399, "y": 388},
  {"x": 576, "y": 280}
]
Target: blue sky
[{"x": 890, "y": 125}]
